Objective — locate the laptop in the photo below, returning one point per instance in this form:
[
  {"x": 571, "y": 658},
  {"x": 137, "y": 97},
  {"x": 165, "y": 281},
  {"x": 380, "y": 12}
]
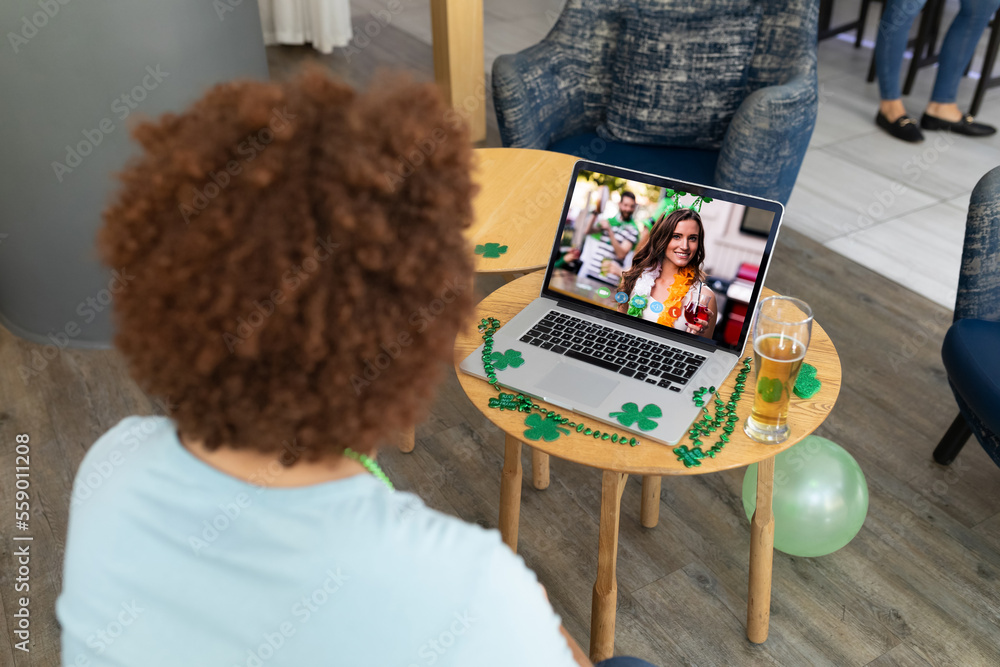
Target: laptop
[{"x": 615, "y": 324}]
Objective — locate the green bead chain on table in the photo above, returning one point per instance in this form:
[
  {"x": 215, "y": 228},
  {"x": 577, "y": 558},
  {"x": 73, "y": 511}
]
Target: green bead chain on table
[
  {"x": 370, "y": 465},
  {"x": 725, "y": 417},
  {"x": 489, "y": 326}
]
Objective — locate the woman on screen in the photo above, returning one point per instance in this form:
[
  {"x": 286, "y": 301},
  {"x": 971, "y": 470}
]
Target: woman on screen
[{"x": 665, "y": 283}]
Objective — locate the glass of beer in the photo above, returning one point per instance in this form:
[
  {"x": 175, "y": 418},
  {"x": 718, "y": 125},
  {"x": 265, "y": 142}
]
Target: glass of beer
[{"x": 780, "y": 340}]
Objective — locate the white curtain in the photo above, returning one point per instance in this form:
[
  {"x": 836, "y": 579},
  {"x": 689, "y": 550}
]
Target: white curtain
[{"x": 323, "y": 23}]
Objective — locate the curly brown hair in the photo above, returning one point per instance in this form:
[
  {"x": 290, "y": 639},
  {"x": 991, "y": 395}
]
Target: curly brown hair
[{"x": 299, "y": 265}]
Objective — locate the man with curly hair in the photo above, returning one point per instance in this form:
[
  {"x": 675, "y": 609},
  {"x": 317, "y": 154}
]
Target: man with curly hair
[{"x": 235, "y": 531}]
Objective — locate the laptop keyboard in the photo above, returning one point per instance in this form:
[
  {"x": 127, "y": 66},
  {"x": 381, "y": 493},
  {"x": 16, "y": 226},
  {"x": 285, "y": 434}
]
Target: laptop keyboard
[{"x": 614, "y": 350}]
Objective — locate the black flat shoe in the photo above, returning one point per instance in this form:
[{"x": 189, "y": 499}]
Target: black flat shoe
[
  {"x": 904, "y": 128},
  {"x": 966, "y": 126}
]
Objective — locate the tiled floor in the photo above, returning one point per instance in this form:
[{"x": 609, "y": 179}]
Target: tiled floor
[{"x": 897, "y": 208}]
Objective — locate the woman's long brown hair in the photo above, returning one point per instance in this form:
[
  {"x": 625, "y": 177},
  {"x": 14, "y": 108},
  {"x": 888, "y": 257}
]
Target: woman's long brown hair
[{"x": 654, "y": 249}]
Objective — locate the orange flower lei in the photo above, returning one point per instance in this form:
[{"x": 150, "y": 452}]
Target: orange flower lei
[{"x": 672, "y": 304}]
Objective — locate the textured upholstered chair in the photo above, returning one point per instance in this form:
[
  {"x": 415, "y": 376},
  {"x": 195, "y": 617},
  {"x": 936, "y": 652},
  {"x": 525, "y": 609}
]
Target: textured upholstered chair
[
  {"x": 971, "y": 350},
  {"x": 721, "y": 92}
]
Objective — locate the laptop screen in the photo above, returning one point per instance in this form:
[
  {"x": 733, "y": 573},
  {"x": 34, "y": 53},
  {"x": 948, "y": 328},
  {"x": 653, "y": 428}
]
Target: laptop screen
[{"x": 670, "y": 254}]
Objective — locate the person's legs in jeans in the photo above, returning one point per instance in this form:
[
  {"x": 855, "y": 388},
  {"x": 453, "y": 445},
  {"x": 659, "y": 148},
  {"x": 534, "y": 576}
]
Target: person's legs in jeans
[
  {"x": 956, "y": 51},
  {"x": 624, "y": 661},
  {"x": 893, "y": 33}
]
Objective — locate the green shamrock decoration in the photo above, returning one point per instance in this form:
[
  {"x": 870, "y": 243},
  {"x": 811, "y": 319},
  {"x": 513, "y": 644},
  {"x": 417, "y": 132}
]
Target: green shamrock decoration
[
  {"x": 502, "y": 360},
  {"x": 696, "y": 205},
  {"x": 689, "y": 457},
  {"x": 491, "y": 250},
  {"x": 769, "y": 389},
  {"x": 807, "y": 384},
  {"x": 505, "y": 401},
  {"x": 630, "y": 414},
  {"x": 541, "y": 428}
]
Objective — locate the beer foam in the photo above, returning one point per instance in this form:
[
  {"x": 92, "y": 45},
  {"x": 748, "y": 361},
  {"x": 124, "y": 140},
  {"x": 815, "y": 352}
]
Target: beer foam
[{"x": 797, "y": 343}]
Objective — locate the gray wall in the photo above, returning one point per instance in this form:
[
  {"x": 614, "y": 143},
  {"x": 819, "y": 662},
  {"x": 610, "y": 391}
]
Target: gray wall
[{"x": 64, "y": 67}]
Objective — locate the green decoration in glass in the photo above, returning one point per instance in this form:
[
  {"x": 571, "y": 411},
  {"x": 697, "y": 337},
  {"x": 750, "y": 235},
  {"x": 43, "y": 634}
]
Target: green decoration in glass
[
  {"x": 769, "y": 389},
  {"x": 491, "y": 250},
  {"x": 820, "y": 497},
  {"x": 630, "y": 414},
  {"x": 541, "y": 428},
  {"x": 502, "y": 360}
]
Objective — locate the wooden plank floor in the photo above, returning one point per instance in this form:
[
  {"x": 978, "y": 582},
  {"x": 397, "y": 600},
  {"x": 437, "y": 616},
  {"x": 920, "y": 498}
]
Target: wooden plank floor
[{"x": 918, "y": 586}]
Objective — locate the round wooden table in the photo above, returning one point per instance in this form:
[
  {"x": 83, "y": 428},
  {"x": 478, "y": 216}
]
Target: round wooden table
[
  {"x": 649, "y": 459},
  {"x": 519, "y": 204}
]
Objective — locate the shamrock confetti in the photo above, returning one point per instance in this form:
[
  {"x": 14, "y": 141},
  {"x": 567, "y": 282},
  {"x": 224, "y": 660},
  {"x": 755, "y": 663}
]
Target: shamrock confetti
[
  {"x": 491, "y": 250},
  {"x": 502, "y": 360},
  {"x": 630, "y": 414},
  {"x": 807, "y": 384},
  {"x": 543, "y": 428},
  {"x": 506, "y": 402},
  {"x": 689, "y": 457},
  {"x": 769, "y": 389}
]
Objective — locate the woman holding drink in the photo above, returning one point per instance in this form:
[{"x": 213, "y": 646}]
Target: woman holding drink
[{"x": 665, "y": 283}]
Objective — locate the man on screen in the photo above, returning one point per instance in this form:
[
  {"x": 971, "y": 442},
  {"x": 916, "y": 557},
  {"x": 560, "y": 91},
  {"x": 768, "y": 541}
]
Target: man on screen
[{"x": 609, "y": 242}]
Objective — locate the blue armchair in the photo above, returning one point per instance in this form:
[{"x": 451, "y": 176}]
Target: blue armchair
[
  {"x": 555, "y": 95},
  {"x": 971, "y": 350}
]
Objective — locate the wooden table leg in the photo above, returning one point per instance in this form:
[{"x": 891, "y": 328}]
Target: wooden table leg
[
  {"x": 761, "y": 555},
  {"x": 602, "y": 614},
  {"x": 408, "y": 440},
  {"x": 539, "y": 469},
  {"x": 650, "y": 512},
  {"x": 510, "y": 492}
]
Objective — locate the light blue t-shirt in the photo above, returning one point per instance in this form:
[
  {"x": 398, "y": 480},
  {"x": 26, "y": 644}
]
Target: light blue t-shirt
[{"x": 170, "y": 562}]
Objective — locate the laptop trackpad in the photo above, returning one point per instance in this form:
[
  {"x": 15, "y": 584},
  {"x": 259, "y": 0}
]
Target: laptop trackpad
[{"x": 577, "y": 384}]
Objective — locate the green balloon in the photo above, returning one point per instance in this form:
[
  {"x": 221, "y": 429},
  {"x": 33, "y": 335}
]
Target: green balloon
[{"x": 820, "y": 497}]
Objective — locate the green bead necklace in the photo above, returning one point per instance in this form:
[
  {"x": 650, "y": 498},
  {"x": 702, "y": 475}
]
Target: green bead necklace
[
  {"x": 725, "y": 417},
  {"x": 370, "y": 465},
  {"x": 489, "y": 326}
]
